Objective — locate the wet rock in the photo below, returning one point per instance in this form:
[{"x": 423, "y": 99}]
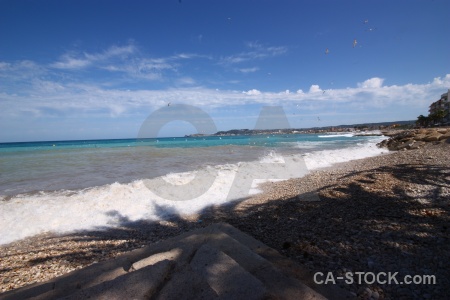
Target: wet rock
[
  {"x": 414, "y": 139},
  {"x": 419, "y": 137},
  {"x": 445, "y": 136},
  {"x": 432, "y": 137}
]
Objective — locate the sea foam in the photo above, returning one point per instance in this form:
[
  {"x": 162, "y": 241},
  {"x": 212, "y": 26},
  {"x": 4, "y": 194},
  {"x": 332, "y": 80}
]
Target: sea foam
[{"x": 114, "y": 204}]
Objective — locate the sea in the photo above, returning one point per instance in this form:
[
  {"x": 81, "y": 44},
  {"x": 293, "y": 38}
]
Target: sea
[{"x": 69, "y": 186}]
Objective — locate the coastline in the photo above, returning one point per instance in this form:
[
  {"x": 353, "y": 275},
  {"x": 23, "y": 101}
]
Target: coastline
[
  {"x": 383, "y": 213},
  {"x": 113, "y": 185}
]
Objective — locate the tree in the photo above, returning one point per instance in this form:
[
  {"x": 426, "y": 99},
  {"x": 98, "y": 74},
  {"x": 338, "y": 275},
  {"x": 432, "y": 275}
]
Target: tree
[
  {"x": 422, "y": 120},
  {"x": 437, "y": 116}
]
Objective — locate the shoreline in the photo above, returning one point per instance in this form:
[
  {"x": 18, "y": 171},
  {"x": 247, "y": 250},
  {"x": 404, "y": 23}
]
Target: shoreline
[
  {"x": 367, "y": 219},
  {"x": 110, "y": 202}
]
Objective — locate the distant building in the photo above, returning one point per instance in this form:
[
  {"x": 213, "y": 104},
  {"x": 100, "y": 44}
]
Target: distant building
[{"x": 442, "y": 104}]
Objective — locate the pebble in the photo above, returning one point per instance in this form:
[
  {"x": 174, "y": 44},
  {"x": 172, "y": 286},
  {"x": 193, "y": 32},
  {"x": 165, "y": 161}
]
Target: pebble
[
  {"x": 370, "y": 264},
  {"x": 351, "y": 228}
]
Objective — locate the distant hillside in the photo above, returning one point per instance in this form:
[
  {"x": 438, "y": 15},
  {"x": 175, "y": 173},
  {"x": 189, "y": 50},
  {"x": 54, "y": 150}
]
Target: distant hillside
[
  {"x": 363, "y": 126},
  {"x": 383, "y": 124}
]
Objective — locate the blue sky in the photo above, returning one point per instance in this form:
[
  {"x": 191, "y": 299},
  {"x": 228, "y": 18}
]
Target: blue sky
[{"x": 97, "y": 69}]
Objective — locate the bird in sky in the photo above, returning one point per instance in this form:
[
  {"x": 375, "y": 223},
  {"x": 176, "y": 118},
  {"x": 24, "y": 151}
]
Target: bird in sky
[
  {"x": 354, "y": 43},
  {"x": 327, "y": 51},
  {"x": 318, "y": 118},
  {"x": 168, "y": 104},
  {"x": 366, "y": 21}
]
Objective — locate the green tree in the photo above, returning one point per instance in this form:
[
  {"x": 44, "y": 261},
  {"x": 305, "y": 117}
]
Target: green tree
[
  {"x": 422, "y": 120},
  {"x": 437, "y": 116}
]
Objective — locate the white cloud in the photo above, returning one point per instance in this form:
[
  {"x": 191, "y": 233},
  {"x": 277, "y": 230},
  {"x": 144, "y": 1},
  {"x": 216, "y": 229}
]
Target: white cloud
[
  {"x": 31, "y": 89},
  {"x": 314, "y": 88},
  {"x": 252, "y": 92},
  {"x": 441, "y": 81},
  {"x": 371, "y": 83},
  {"x": 127, "y": 60},
  {"x": 83, "y": 98},
  {"x": 87, "y": 98},
  {"x": 4, "y": 66},
  {"x": 248, "y": 70},
  {"x": 187, "y": 56},
  {"x": 118, "y": 51},
  {"x": 118, "y": 59},
  {"x": 20, "y": 66},
  {"x": 154, "y": 64},
  {"x": 19, "y": 73},
  {"x": 257, "y": 51},
  {"x": 186, "y": 81},
  {"x": 73, "y": 61}
]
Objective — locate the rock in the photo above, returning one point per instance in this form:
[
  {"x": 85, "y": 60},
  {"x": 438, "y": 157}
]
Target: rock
[
  {"x": 445, "y": 136},
  {"x": 407, "y": 139},
  {"x": 361, "y": 290},
  {"x": 419, "y": 137},
  {"x": 368, "y": 292},
  {"x": 414, "y": 146},
  {"x": 432, "y": 137},
  {"x": 422, "y": 131},
  {"x": 375, "y": 295},
  {"x": 382, "y": 144}
]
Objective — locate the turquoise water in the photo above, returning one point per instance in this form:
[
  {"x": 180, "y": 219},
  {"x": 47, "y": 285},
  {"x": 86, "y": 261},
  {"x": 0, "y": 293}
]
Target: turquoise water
[
  {"x": 31, "y": 167},
  {"x": 174, "y": 142},
  {"x": 67, "y": 186}
]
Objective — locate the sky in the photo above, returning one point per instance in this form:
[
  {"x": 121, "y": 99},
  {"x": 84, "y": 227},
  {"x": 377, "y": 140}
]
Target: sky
[{"x": 97, "y": 69}]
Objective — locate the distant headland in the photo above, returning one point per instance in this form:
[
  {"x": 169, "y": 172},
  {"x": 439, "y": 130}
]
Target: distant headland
[{"x": 312, "y": 130}]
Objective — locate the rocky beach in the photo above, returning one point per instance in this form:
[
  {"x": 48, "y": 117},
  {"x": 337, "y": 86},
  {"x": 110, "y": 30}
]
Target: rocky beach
[{"x": 387, "y": 213}]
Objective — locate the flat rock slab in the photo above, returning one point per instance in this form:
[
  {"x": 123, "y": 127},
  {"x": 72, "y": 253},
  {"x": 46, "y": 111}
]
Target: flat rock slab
[
  {"x": 225, "y": 276},
  {"x": 140, "y": 284},
  {"x": 155, "y": 258},
  {"x": 215, "y": 262},
  {"x": 186, "y": 284}
]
